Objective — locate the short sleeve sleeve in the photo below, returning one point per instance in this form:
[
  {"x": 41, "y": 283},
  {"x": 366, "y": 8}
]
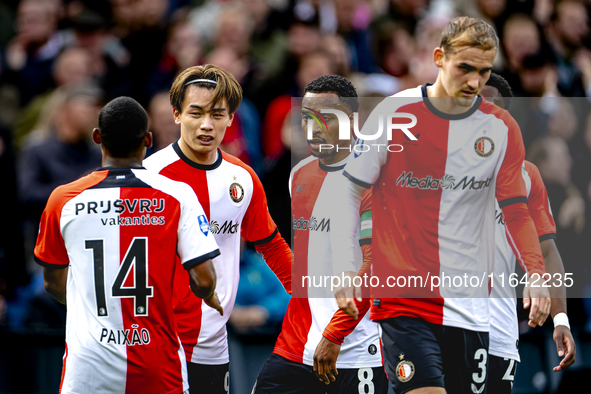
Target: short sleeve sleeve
[
  {"x": 258, "y": 227},
  {"x": 510, "y": 185},
  {"x": 368, "y": 156},
  {"x": 50, "y": 249},
  {"x": 196, "y": 243}
]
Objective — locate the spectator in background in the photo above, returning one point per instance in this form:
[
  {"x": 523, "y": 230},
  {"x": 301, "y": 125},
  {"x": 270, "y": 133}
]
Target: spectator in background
[
  {"x": 311, "y": 66},
  {"x": 62, "y": 151},
  {"x": 109, "y": 59},
  {"x": 234, "y": 32},
  {"x": 12, "y": 267},
  {"x": 144, "y": 36},
  {"x": 243, "y": 136},
  {"x": 303, "y": 38},
  {"x": 181, "y": 50},
  {"x": 72, "y": 66},
  {"x": 521, "y": 38},
  {"x": 353, "y": 17},
  {"x": 581, "y": 173},
  {"x": 268, "y": 43},
  {"x": 162, "y": 125},
  {"x": 30, "y": 54},
  {"x": 569, "y": 26},
  {"x": 551, "y": 156}
]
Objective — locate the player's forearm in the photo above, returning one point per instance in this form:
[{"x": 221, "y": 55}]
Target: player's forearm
[
  {"x": 278, "y": 256},
  {"x": 203, "y": 279},
  {"x": 342, "y": 324},
  {"x": 344, "y": 219},
  {"x": 554, "y": 265},
  {"x": 55, "y": 281},
  {"x": 522, "y": 236}
]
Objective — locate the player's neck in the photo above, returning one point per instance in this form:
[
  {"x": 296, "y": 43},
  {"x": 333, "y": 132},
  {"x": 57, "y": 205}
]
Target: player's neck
[
  {"x": 206, "y": 158},
  {"x": 443, "y": 102},
  {"x": 339, "y": 156},
  {"x": 118, "y": 162}
]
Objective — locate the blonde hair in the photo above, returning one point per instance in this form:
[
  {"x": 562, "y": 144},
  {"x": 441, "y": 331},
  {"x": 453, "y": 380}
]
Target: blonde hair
[
  {"x": 226, "y": 86},
  {"x": 468, "y": 32}
]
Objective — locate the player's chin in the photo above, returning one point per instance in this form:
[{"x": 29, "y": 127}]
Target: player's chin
[
  {"x": 465, "y": 101},
  {"x": 322, "y": 153}
]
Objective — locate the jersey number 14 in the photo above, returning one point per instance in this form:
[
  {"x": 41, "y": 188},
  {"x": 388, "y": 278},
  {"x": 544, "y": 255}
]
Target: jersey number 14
[{"x": 136, "y": 257}]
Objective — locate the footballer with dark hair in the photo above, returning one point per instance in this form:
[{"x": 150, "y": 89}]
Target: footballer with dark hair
[
  {"x": 504, "y": 330},
  {"x": 320, "y": 348},
  {"x": 109, "y": 244}
]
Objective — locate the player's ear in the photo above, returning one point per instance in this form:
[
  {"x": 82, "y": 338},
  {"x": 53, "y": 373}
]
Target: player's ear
[
  {"x": 148, "y": 139},
  {"x": 230, "y": 119},
  {"x": 438, "y": 56},
  {"x": 96, "y": 137},
  {"x": 177, "y": 116}
]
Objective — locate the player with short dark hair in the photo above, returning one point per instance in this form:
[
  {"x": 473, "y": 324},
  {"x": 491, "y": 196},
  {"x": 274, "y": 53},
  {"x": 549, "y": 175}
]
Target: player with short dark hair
[
  {"x": 498, "y": 91},
  {"x": 435, "y": 201},
  {"x": 504, "y": 331},
  {"x": 108, "y": 244},
  {"x": 204, "y": 100},
  {"x": 316, "y": 346}
]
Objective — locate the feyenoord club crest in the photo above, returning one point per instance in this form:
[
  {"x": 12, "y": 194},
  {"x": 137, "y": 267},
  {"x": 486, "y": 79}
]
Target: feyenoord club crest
[
  {"x": 236, "y": 192},
  {"x": 405, "y": 370},
  {"x": 484, "y": 146}
]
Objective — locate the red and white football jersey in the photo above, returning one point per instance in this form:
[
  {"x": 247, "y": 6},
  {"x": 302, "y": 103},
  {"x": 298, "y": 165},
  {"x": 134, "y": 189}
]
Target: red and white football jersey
[
  {"x": 119, "y": 230},
  {"x": 312, "y": 187},
  {"x": 433, "y": 204},
  {"x": 235, "y": 204},
  {"x": 504, "y": 331}
]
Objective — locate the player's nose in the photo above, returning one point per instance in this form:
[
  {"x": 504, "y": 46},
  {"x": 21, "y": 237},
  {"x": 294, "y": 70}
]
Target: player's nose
[{"x": 207, "y": 123}]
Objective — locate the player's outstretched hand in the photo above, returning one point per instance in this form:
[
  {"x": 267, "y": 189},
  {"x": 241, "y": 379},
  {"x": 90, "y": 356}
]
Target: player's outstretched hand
[
  {"x": 538, "y": 298},
  {"x": 565, "y": 346},
  {"x": 325, "y": 360},
  {"x": 346, "y": 295},
  {"x": 214, "y": 302}
]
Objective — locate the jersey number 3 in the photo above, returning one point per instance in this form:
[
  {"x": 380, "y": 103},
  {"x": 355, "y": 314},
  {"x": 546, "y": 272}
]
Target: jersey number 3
[{"x": 137, "y": 257}]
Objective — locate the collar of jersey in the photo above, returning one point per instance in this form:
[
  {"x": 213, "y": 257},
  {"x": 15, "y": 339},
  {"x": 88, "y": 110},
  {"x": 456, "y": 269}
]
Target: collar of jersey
[
  {"x": 326, "y": 168},
  {"x": 443, "y": 115},
  {"x": 205, "y": 167},
  {"x": 119, "y": 169}
]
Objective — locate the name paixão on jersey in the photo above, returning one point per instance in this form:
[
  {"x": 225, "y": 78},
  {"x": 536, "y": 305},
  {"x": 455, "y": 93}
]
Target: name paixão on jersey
[
  {"x": 130, "y": 337},
  {"x": 406, "y": 179}
]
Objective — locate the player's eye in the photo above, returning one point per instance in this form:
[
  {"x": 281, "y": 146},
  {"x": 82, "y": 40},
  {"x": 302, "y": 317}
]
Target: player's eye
[
  {"x": 483, "y": 72},
  {"x": 305, "y": 117}
]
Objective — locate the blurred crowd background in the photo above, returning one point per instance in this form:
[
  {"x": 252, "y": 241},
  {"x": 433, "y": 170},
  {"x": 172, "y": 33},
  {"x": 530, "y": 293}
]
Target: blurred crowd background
[{"x": 61, "y": 60}]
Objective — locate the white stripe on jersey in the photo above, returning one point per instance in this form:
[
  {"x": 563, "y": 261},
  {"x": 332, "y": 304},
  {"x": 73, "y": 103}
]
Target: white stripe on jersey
[{"x": 504, "y": 329}]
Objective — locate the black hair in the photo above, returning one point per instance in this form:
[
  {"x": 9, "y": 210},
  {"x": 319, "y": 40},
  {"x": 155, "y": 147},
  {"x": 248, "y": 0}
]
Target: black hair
[
  {"x": 122, "y": 124},
  {"x": 335, "y": 84},
  {"x": 496, "y": 81}
]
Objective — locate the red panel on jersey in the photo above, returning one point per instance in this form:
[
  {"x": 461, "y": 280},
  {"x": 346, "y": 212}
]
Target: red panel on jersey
[
  {"x": 406, "y": 220},
  {"x": 257, "y": 224},
  {"x": 538, "y": 203},
  {"x": 141, "y": 353},
  {"x": 293, "y": 337},
  {"x": 187, "y": 307},
  {"x": 510, "y": 185}
]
